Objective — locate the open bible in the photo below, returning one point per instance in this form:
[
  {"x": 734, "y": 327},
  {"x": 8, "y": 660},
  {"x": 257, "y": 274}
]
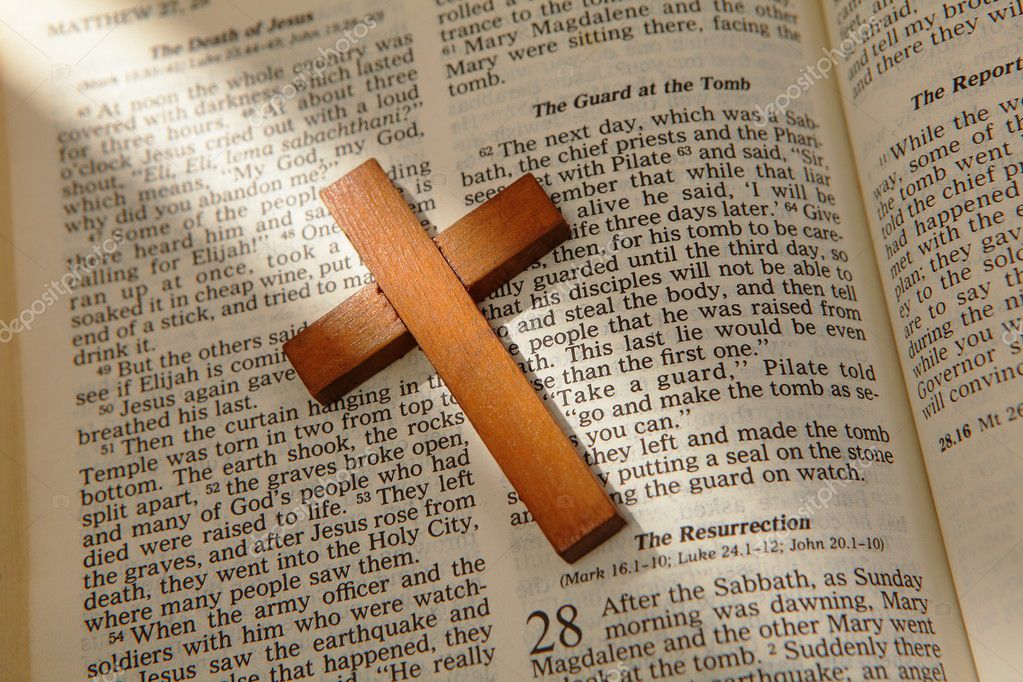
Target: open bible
[{"x": 784, "y": 334}]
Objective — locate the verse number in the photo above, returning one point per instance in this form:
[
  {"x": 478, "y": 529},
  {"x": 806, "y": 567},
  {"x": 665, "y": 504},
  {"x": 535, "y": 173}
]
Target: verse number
[
  {"x": 953, "y": 438},
  {"x": 569, "y": 635}
]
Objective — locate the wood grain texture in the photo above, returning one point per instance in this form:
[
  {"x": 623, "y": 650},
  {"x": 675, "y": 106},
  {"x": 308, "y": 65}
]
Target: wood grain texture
[
  {"x": 486, "y": 248},
  {"x": 565, "y": 499}
]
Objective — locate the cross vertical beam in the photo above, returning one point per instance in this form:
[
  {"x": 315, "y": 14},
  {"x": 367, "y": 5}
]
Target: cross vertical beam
[{"x": 554, "y": 483}]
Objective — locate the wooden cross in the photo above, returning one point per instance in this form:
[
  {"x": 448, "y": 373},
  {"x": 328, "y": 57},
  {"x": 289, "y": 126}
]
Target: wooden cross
[{"x": 424, "y": 295}]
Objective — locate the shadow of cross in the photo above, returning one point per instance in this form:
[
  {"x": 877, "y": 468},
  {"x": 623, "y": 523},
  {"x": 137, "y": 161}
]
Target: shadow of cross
[{"x": 424, "y": 295}]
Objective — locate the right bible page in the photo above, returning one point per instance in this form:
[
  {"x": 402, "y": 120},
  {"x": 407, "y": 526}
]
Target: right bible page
[{"x": 932, "y": 96}]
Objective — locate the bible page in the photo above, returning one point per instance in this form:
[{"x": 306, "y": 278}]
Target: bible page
[
  {"x": 932, "y": 95},
  {"x": 713, "y": 337}
]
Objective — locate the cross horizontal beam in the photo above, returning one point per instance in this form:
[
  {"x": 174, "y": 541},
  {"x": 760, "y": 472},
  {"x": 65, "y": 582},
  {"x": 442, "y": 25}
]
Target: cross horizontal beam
[{"x": 486, "y": 248}]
